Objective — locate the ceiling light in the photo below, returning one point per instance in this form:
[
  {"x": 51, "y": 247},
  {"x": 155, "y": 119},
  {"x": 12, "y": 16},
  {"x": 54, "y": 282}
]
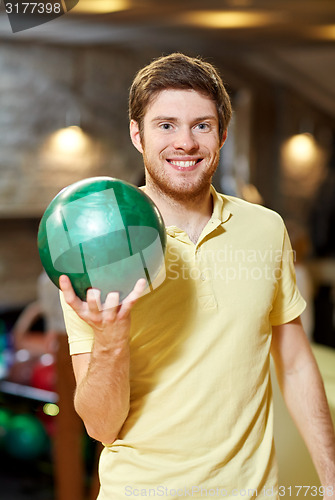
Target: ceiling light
[
  {"x": 230, "y": 19},
  {"x": 326, "y": 32},
  {"x": 101, "y": 6}
]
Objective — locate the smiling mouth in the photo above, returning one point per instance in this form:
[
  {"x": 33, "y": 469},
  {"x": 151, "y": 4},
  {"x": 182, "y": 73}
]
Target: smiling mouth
[{"x": 184, "y": 164}]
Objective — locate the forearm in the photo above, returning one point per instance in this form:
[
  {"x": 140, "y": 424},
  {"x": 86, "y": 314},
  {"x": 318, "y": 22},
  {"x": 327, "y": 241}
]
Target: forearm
[
  {"x": 102, "y": 397},
  {"x": 304, "y": 394},
  {"x": 102, "y": 376}
]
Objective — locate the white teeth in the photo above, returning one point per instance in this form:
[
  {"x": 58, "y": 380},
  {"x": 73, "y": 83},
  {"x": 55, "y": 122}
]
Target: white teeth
[{"x": 183, "y": 163}]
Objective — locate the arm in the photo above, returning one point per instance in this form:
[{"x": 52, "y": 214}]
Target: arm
[
  {"x": 303, "y": 391},
  {"x": 26, "y": 319},
  {"x": 102, "y": 376}
]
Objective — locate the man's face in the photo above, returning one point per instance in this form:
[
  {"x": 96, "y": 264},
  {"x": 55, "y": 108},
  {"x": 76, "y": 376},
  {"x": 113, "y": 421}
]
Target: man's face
[{"x": 180, "y": 142}]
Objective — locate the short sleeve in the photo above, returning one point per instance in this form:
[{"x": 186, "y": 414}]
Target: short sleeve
[
  {"x": 80, "y": 334},
  {"x": 288, "y": 303}
]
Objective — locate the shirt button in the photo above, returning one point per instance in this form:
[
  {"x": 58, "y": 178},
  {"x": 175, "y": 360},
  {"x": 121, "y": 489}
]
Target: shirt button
[{"x": 202, "y": 277}]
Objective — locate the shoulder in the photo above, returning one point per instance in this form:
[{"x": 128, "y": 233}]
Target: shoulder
[{"x": 252, "y": 213}]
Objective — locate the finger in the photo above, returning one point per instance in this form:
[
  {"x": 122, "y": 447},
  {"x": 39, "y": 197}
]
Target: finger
[
  {"x": 69, "y": 294},
  {"x": 133, "y": 297},
  {"x": 93, "y": 298},
  {"x": 137, "y": 291},
  {"x": 112, "y": 304}
]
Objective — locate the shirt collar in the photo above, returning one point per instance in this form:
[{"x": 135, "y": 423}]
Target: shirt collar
[
  {"x": 220, "y": 215},
  {"x": 220, "y": 211}
]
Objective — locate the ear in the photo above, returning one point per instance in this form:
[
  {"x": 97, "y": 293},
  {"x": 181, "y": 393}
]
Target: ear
[
  {"x": 135, "y": 135},
  {"x": 224, "y": 137}
]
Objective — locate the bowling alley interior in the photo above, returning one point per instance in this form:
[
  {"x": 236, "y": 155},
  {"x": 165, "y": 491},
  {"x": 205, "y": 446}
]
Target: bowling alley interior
[{"x": 63, "y": 118}]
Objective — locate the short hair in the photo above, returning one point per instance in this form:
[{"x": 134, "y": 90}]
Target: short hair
[{"x": 178, "y": 71}]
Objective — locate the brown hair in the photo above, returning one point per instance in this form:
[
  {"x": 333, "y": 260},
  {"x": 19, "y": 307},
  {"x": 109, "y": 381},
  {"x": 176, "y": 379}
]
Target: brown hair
[{"x": 178, "y": 71}]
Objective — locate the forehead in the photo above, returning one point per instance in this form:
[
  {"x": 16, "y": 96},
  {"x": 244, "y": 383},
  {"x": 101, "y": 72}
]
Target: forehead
[{"x": 180, "y": 102}]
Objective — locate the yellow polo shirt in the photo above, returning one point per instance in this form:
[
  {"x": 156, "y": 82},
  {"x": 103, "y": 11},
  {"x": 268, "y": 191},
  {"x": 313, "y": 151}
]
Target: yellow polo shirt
[{"x": 200, "y": 419}]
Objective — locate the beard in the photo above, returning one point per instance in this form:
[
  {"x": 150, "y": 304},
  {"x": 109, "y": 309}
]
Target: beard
[{"x": 182, "y": 189}]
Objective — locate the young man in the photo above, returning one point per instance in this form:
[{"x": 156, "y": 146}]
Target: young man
[{"x": 176, "y": 383}]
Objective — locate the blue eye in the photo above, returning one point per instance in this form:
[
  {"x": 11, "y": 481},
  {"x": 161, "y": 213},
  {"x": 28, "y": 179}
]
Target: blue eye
[{"x": 203, "y": 126}]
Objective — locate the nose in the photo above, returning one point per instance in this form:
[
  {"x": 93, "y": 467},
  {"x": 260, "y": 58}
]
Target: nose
[{"x": 185, "y": 140}]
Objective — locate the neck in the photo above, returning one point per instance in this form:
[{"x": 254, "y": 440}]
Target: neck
[{"x": 190, "y": 215}]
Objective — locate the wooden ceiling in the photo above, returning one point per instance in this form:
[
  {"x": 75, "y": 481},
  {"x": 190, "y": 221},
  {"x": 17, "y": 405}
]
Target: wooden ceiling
[{"x": 290, "y": 40}]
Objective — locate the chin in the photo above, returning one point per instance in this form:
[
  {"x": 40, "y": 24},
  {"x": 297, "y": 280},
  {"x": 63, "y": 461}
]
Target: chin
[{"x": 186, "y": 191}]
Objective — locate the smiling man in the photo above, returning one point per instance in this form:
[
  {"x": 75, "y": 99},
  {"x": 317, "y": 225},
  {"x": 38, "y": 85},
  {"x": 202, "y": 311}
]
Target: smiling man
[
  {"x": 176, "y": 383},
  {"x": 180, "y": 144}
]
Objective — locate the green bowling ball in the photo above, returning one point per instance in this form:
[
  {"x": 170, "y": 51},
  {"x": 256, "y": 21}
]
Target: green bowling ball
[
  {"x": 26, "y": 438},
  {"x": 103, "y": 233},
  {"x": 5, "y": 420}
]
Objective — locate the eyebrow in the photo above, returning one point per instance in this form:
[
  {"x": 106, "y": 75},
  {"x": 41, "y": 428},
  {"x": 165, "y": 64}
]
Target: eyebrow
[{"x": 174, "y": 118}]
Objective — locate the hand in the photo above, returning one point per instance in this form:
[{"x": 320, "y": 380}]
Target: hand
[{"x": 110, "y": 321}]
